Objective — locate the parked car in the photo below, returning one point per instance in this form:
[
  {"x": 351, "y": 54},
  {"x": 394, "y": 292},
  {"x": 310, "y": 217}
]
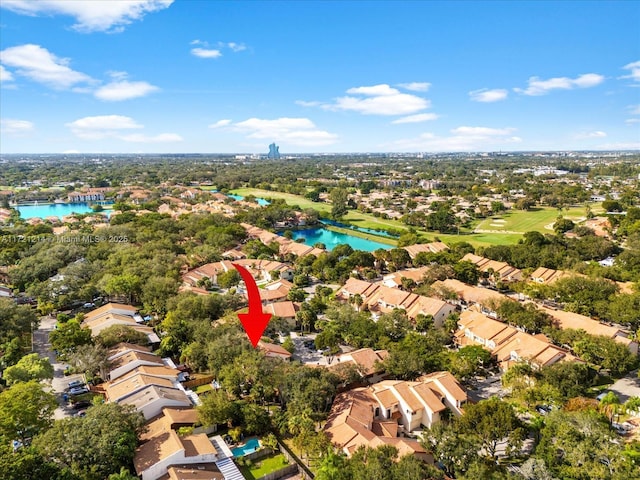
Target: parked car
[
  {"x": 82, "y": 404},
  {"x": 79, "y": 390},
  {"x": 75, "y": 384}
]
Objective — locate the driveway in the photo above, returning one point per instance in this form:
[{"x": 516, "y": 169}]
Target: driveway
[
  {"x": 628, "y": 386},
  {"x": 485, "y": 388},
  {"x": 59, "y": 383}
]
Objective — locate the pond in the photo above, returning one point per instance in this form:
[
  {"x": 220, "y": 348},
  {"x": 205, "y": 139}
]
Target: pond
[
  {"x": 261, "y": 201},
  {"x": 54, "y": 210},
  {"x": 332, "y": 239},
  {"x": 381, "y": 233}
]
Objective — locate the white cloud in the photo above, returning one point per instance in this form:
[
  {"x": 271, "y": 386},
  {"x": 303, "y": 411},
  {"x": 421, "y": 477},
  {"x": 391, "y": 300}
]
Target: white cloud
[
  {"x": 161, "y": 138},
  {"x": 101, "y": 126},
  {"x": 292, "y": 131},
  {"x": 93, "y": 15},
  {"x": 594, "y": 134},
  {"x": 634, "y": 69},
  {"x": 221, "y": 123},
  {"x": 462, "y": 139},
  {"x": 538, "y": 87},
  {"x": 204, "y": 49},
  {"x": 379, "y": 100},
  {"x": 420, "y": 117},
  {"x": 40, "y": 65},
  {"x": 415, "y": 86},
  {"x": 631, "y": 121},
  {"x": 486, "y": 95},
  {"x": 482, "y": 131},
  {"x": 206, "y": 52},
  {"x": 620, "y": 146},
  {"x": 236, "y": 47},
  {"x": 634, "y": 109},
  {"x": 124, "y": 90},
  {"x": 304, "y": 103},
  {"x": 116, "y": 127},
  {"x": 5, "y": 75},
  {"x": 15, "y": 128},
  {"x": 374, "y": 90}
]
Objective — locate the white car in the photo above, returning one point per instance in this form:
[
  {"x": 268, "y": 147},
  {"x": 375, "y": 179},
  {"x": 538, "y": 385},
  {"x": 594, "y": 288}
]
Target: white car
[{"x": 79, "y": 390}]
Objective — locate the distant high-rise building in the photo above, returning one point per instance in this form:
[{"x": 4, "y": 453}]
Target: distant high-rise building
[{"x": 274, "y": 151}]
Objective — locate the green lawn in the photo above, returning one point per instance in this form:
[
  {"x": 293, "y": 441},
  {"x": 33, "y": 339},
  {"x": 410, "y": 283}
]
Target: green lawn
[
  {"x": 477, "y": 239},
  {"x": 533, "y": 220},
  {"x": 358, "y": 219},
  {"x": 504, "y": 229},
  {"x": 202, "y": 388},
  {"x": 264, "y": 466}
]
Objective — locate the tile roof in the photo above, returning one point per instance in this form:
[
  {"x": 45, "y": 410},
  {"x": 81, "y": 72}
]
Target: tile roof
[
  {"x": 468, "y": 293},
  {"x": 126, "y": 385},
  {"x": 365, "y": 359},
  {"x": 272, "y": 348},
  {"x": 152, "y": 393},
  {"x": 433, "y": 247},
  {"x": 108, "y": 307}
]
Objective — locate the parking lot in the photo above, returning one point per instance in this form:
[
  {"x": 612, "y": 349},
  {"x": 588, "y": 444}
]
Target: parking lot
[
  {"x": 60, "y": 382},
  {"x": 482, "y": 388}
]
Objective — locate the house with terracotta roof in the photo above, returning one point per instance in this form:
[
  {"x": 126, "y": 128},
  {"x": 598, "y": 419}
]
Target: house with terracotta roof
[
  {"x": 394, "y": 280},
  {"x": 114, "y": 309},
  {"x": 112, "y": 314},
  {"x": 129, "y": 384},
  {"x": 366, "y": 361},
  {"x": 131, "y": 359},
  {"x": 124, "y": 347},
  {"x": 506, "y": 343},
  {"x": 286, "y": 245},
  {"x": 354, "y": 287},
  {"x": 600, "y": 225},
  {"x": 433, "y": 247},
  {"x": 274, "y": 351},
  {"x": 378, "y": 414},
  {"x": 352, "y": 424},
  {"x": 285, "y": 310},
  {"x": 499, "y": 271},
  {"x": 165, "y": 454},
  {"x": 151, "y": 399},
  {"x": 547, "y": 275},
  {"x": 569, "y": 320},
  {"x": 483, "y": 299},
  {"x": 383, "y": 299}
]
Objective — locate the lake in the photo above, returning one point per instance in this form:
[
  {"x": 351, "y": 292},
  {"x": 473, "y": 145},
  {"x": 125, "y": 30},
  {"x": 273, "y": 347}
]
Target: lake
[
  {"x": 381, "y": 233},
  {"x": 54, "y": 210},
  {"x": 261, "y": 201},
  {"x": 332, "y": 239}
]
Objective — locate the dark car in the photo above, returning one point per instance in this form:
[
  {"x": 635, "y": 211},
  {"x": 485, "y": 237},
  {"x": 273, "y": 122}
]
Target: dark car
[{"x": 81, "y": 405}]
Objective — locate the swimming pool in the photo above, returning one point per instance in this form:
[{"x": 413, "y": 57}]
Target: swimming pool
[{"x": 250, "y": 446}]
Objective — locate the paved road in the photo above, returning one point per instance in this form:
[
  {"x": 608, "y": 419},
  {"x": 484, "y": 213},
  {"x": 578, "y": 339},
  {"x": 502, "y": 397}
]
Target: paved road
[
  {"x": 627, "y": 386},
  {"x": 59, "y": 383}
]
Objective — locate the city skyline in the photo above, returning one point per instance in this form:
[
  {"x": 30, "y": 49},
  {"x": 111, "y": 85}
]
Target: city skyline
[{"x": 157, "y": 76}]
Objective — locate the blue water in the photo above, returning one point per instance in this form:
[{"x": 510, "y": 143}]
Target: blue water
[
  {"x": 251, "y": 446},
  {"x": 54, "y": 210},
  {"x": 261, "y": 201},
  {"x": 332, "y": 239},
  {"x": 360, "y": 229}
]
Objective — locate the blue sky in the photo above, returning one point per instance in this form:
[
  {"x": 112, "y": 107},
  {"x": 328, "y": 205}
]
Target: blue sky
[{"x": 163, "y": 76}]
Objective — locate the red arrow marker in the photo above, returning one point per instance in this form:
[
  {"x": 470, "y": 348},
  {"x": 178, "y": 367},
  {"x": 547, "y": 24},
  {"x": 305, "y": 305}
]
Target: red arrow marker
[{"x": 255, "y": 321}]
